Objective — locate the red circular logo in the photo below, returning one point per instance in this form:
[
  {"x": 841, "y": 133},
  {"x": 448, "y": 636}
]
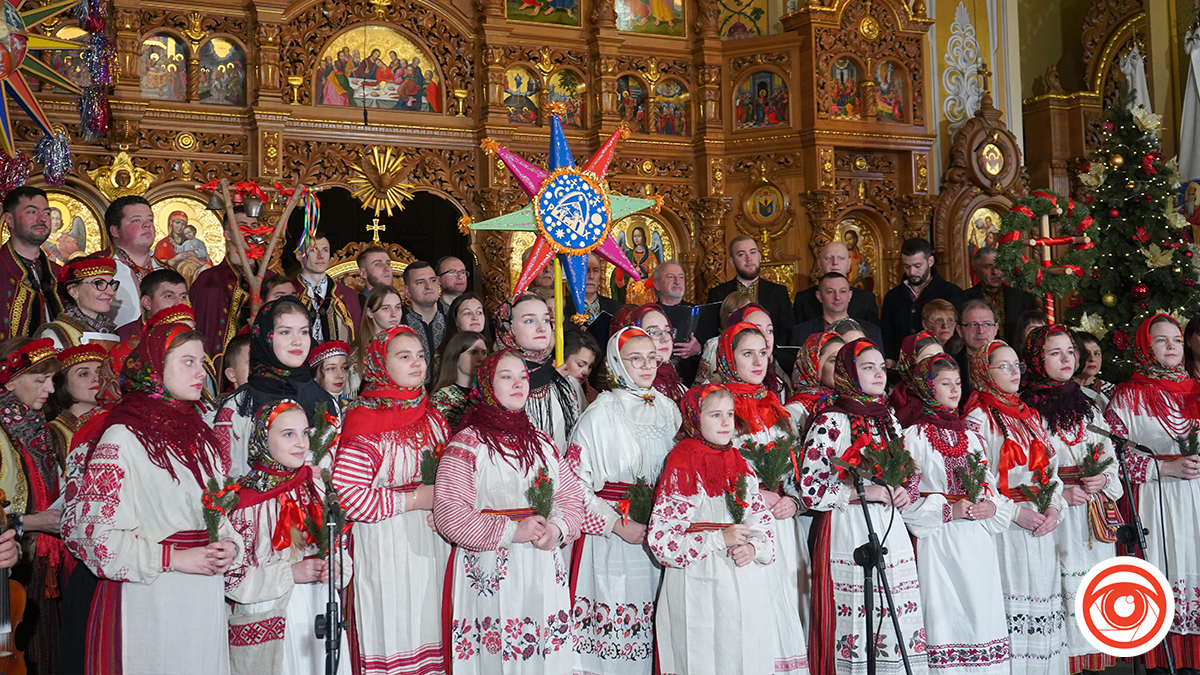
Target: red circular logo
[{"x": 1124, "y": 606}]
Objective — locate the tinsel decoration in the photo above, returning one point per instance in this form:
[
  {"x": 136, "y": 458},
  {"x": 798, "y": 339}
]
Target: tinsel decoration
[
  {"x": 94, "y": 115},
  {"x": 99, "y": 58},
  {"x": 92, "y": 15},
  {"x": 14, "y": 172},
  {"x": 54, "y": 154}
]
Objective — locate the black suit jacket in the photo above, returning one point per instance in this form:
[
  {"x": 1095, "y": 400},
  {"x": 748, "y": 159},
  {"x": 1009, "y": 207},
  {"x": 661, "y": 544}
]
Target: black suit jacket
[
  {"x": 802, "y": 330},
  {"x": 1016, "y": 303},
  {"x": 862, "y": 306},
  {"x": 773, "y": 298}
]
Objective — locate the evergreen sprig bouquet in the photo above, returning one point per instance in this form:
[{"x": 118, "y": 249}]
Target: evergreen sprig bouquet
[
  {"x": 737, "y": 499},
  {"x": 1187, "y": 444},
  {"x": 325, "y": 434},
  {"x": 893, "y": 462},
  {"x": 218, "y": 500},
  {"x": 973, "y": 476},
  {"x": 541, "y": 493},
  {"x": 1143, "y": 261},
  {"x": 1041, "y": 493},
  {"x": 772, "y": 461},
  {"x": 430, "y": 458},
  {"x": 638, "y": 501},
  {"x": 1094, "y": 462}
]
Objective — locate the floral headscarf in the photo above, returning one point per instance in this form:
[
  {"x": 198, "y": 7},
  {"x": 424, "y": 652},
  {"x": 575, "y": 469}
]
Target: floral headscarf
[
  {"x": 383, "y": 406},
  {"x": 807, "y": 374},
  {"x": 1062, "y": 404},
  {"x": 772, "y": 380},
  {"x": 506, "y": 433},
  {"x": 695, "y": 463},
  {"x": 922, "y": 375},
  {"x": 504, "y": 328},
  {"x": 904, "y": 403},
  {"x": 639, "y": 407},
  {"x": 265, "y": 472},
  {"x": 852, "y": 400},
  {"x": 1155, "y": 389},
  {"x": 1008, "y": 415},
  {"x": 757, "y": 407}
]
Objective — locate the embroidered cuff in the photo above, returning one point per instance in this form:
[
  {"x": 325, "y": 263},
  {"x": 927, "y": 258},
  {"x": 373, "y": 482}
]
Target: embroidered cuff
[{"x": 947, "y": 513}]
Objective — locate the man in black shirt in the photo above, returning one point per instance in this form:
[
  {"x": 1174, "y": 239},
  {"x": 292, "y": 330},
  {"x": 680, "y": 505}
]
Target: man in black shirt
[
  {"x": 901, "y": 315},
  {"x": 1009, "y": 303},
  {"x": 834, "y": 258},
  {"x": 746, "y": 260}
]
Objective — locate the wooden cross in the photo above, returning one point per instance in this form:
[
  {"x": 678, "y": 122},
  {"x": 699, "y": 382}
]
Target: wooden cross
[
  {"x": 375, "y": 227},
  {"x": 1043, "y": 244}
]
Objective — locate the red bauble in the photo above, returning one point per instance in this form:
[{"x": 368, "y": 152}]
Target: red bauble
[
  {"x": 1140, "y": 291},
  {"x": 1114, "y": 213},
  {"x": 1088, "y": 199},
  {"x": 1187, "y": 253}
]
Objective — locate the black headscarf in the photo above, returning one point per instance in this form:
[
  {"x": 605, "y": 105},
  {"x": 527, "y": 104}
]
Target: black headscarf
[{"x": 270, "y": 380}]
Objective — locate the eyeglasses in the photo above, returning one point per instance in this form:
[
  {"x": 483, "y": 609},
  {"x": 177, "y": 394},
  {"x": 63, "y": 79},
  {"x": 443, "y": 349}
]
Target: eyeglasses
[
  {"x": 947, "y": 323},
  {"x": 986, "y": 325},
  {"x": 1010, "y": 368},
  {"x": 102, "y": 284},
  {"x": 453, "y": 273},
  {"x": 638, "y": 361},
  {"x": 656, "y": 333}
]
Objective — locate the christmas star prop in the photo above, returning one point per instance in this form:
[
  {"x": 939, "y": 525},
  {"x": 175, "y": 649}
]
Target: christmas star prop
[
  {"x": 570, "y": 209},
  {"x": 17, "y": 64}
]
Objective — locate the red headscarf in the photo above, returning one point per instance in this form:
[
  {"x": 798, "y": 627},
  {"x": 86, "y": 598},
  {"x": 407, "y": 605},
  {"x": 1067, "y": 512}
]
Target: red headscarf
[
  {"x": 695, "y": 463},
  {"x": 757, "y": 407},
  {"x": 383, "y": 406},
  {"x": 902, "y": 400},
  {"x": 1155, "y": 389},
  {"x": 507, "y": 433}
]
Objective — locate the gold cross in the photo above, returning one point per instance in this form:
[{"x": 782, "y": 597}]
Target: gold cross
[{"x": 376, "y": 228}]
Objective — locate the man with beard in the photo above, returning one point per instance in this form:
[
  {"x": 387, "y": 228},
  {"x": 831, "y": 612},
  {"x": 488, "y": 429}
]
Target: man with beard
[
  {"x": 901, "y": 315},
  {"x": 28, "y": 283},
  {"x": 746, "y": 260},
  {"x": 834, "y": 258},
  {"x": 375, "y": 268},
  {"x": 1009, "y": 303},
  {"x": 670, "y": 285}
]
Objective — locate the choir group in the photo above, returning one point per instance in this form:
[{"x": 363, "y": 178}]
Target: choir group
[{"x": 493, "y": 513}]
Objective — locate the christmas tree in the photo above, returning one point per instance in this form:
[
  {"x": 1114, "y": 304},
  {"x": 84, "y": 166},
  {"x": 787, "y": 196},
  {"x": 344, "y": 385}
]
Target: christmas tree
[{"x": 1144, "y": 264}]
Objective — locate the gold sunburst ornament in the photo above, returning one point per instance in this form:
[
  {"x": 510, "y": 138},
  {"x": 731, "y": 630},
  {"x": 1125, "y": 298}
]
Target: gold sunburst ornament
[{"x": 377, "y": 182}]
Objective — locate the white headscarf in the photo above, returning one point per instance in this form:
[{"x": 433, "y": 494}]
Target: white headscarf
[{"x": 641, "y": 407}]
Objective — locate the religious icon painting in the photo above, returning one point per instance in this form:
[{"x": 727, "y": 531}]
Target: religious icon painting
[
  {"x": 222, "y": 73},
  {"x": 739, "y": 19},
  {"x": 671, "y": 108},
  {"x": 889, "y": 88},
  {"x": 74, "y": 228},
  {"x": 559, "y": 12},
  {"x": 764, "y": 206},
  {"x": 164, "y": 68},
  {"x": 653, "y": 17},
  {"x": 983, "y": 229},
  {"x": 843, "y": 93},
  {"x": 647, "y": 243},
  {"x": 762, "y": 101},
  {"x": 377, "y": 67},
  {"x": 69, "y": 62},
  {"x": 189, "y": 238},
  {"x": 863, "y": 247},
  {"x": 991, "y": 159},
  {"x": 568, "y": 88},
  {"x": 520, "y": 95},
  {"x": 631, "y": 102},
  {"x": 1189, "y": 207}
]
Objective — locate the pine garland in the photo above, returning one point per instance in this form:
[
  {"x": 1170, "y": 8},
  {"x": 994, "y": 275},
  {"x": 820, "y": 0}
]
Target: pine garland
[
  {"x": 1092, "y": 464},
  {"x": 1188, "y": 445},
  {"x": 1041, "y": 493},
  {"x": 218, "y": 500},
  {"x": 541, "y": 493},
  {"x": 325, "y": 434},
  {"x": 1022, "y": 265},
  {"x": 973, "y": 476},
  {"x": 736, "y": 500},
  {"x": 772, "y": 461},
  {"x": 638, "y": 501},
  {"x": 430, "y": 458}
]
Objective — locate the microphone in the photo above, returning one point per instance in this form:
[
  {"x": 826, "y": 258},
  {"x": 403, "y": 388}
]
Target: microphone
[
  {"x": 869, "y": 477},
  {"x": 1120, "y": 439}
]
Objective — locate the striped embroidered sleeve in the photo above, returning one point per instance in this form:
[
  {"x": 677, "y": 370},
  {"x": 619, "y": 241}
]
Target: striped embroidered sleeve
[
  {"x": 568, "y": 502},
  {"x": 353, "y": 473},
  {"x": 454, "y": 510}
]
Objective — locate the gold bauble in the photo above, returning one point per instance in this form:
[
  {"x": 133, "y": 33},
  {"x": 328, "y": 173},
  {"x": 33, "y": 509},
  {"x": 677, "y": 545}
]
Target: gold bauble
[
  {"x": 1177, "y": 270},
  {"x": 1109, "y": 300},
  {"x": 1116, "y": 161},
  {"x": 1129, "y": 185}
]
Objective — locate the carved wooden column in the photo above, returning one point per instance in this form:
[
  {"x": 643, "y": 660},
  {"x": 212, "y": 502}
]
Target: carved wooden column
[
  {"x": 266, "y": 62},
  {"x": 605, "y": 46},
  {"x": 917, "y": 209},
  {"x": 821, "y": 206},
  {"x": 710, "y": 213},
  {"x": 126, "y": 103},
  {"x": 493, "y": 64},
  {"x": 194, "y": 35}
]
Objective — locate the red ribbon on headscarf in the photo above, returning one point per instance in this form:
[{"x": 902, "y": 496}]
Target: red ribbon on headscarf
[
  {"x": 291, "y": 516},
  {"x": 1009, "y": 238},
  {"x": 1023, "y": 210}
]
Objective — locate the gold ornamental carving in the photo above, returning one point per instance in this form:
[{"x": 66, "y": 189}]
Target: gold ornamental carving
[
  {"x": 121, "y": 178},
  {"x": 922, "y": 171},
  {"x": 380, "y": 7},
  {"x": 826, "y": 159},
  {"x": 869, "y": 27},
  {"x": 376, "y": 181},
  {"x": 270, "y": 153},
  {"x": 185, "y": 142},
  {"x": 194, "y": 32}
]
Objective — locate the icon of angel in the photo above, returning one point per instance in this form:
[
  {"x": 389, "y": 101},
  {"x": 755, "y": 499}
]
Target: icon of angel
[{"x": 646, "y": 256}]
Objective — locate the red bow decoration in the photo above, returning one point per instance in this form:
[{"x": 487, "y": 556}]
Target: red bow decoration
[
  {"x": 1013, "y": 455},
  {"x": 853, "y": 454},
  {"x": 249, "y": 187},
  {"x": 623, "y": 507},
  {"x": 1023, "y": 210},
  {"x": 211, "y": 500},
  {"x": 286, "y": 192},
  {"x": 541, "y": 478},
  {"x": 210, "y": 186},
  {"x": 291, "y": 516}
]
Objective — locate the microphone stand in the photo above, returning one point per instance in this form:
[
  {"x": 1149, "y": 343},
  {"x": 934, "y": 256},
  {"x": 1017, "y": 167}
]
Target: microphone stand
[
  {"x": 869, "y": 556},
  {"x": 329, "y": 626},
  {"x": 1133, "y": 534}
]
